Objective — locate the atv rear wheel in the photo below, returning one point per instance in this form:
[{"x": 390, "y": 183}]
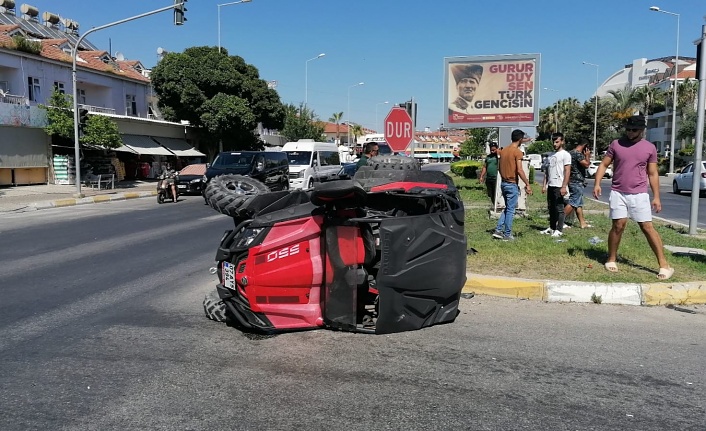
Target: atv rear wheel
[
  {"x": 232, "y": 194},
  {"x": 214, "y": 307}
]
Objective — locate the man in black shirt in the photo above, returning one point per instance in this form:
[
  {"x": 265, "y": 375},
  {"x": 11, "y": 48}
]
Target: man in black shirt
[{"x": 580, "y": 160}]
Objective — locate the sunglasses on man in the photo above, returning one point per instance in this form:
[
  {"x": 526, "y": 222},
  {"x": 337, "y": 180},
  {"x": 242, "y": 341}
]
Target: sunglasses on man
[{"x": 632, "y": 130}]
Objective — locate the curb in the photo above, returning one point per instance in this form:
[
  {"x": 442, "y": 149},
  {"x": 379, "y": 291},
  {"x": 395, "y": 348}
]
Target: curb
[
  {"x": 91, "y": 200},
  {"x": 690, "y": 293}
]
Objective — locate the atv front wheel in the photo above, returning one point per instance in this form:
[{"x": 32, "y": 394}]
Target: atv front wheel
[
  {"x": 214, "y": 307},
  {"x": 232, "y": 194}
]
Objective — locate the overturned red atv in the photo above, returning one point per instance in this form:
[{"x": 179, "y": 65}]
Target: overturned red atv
[{"x": 383, "y": 252}]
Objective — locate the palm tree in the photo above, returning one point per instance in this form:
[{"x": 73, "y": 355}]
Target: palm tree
[
  {"x": 647, "y": 97},
  {"x": 686, "y": 95},
  {"x": 624, "y": 103},
  {"x": 336, "y": 118},
  {"x": 356, "y": 130},
  {"x": 565, "y": 109}
]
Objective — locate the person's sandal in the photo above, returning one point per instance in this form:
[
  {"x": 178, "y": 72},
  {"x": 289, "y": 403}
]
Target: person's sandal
[
  {"x": 611, "y": 267},
  {"x": 665, "y": 273}
]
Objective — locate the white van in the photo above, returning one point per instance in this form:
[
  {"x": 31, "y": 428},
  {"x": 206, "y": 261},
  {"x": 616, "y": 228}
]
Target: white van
[{"x": 311, "y": 162}]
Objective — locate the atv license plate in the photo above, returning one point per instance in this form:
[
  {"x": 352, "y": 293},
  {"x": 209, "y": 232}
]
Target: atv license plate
[{"x": 229, "y": 275}]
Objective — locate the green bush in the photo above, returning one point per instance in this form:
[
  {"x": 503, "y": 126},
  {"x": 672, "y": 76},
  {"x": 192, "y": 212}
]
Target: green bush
[
  {"x": 467, "y": 168},
  {"x": 530, "y": 177}
]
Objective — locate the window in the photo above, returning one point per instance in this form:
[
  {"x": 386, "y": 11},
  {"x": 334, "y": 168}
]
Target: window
[
  {"x": 329, "y": 158},
  {"x": 59, "y": 86},
  {"x": 35, "y": 90},
  {"x": 82, "y": 96},
  {"x": 130, "y": 105}
]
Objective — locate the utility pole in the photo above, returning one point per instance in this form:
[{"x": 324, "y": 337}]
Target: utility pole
[
  {"x": 701, "y": 105},
  {"x": 74, "y": 52}
]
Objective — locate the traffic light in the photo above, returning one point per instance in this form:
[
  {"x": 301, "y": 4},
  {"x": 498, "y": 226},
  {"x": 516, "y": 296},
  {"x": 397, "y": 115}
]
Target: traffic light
[
  {"x": 82, "y": 117},
  {"x": 179, "y": 9},
  {"x": 407, "y": 106}
]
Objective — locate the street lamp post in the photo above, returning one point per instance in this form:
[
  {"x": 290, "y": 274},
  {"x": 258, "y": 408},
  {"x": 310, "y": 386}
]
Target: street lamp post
[
  {"x": 556, "y": 121},
  {"x": 306, "y": 77},
  {"x": 219, "y": 18},
  {"x": 595, "y": 111},
  {"x": 348, "y": 114},
  {"x": 376, "y": 111},
  {"x": 674, "y": 96}
]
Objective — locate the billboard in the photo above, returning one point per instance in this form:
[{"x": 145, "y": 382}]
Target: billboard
[{"x": 491, "y": 91}]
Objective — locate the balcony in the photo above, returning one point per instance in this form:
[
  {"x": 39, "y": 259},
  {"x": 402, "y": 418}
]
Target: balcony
[
  {"x": 97, "y": 109},
  {"x": 14, "y": 100}
]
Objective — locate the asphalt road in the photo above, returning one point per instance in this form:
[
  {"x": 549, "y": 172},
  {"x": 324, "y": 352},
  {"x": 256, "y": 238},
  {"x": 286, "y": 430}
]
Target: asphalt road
[{"x": 102, "y": 328}]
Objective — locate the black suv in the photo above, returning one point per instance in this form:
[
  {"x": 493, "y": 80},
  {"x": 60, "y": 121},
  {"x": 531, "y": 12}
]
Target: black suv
[{"x": 269, "y": 167}]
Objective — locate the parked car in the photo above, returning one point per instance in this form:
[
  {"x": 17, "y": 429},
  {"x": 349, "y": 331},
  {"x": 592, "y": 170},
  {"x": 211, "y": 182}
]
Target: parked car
[
  {"x": 269, "y": 167},
  {"x": 593, "y": 167},
  {"x": 190, "y": 179},
  {"x": 684, "y": 179},
  {"x": 535, "y": 161}
]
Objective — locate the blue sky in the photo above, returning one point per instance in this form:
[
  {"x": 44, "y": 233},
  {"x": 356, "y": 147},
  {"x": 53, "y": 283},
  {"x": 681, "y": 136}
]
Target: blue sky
[{"x": 397, "y": 47}]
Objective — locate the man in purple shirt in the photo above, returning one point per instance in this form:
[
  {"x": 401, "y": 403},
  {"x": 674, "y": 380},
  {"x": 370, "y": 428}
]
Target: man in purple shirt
[{"x": 634, "y": 167}]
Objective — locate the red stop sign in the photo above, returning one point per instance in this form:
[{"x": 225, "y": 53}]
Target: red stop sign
[{"x": 398, "y": 129}]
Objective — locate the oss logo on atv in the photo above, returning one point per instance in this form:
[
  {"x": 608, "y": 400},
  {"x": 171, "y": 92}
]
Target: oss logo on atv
[{"x": 281, "y": 254}]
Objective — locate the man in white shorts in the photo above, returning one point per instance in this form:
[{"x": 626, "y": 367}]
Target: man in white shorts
[{"x": 634, "y": 166}]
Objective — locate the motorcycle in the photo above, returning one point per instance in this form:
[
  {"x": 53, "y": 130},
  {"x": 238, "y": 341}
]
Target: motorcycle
[{"x": 165, "y": 186}]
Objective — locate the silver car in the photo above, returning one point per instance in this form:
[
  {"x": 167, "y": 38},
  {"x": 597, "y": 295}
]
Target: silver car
[{"x": 684, "y": 179}]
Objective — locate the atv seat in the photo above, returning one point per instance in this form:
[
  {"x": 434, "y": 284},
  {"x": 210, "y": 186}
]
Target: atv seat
[{"x": 342, "y": 194}]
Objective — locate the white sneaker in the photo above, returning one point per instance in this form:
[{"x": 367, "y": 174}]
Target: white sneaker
[
  {"x": 557, "y": 234},
  {"x": 547, "y": 231}
]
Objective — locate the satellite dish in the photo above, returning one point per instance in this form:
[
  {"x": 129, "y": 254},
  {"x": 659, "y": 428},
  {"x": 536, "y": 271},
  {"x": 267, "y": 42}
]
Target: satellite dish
[{"x": 119, "y": 56}]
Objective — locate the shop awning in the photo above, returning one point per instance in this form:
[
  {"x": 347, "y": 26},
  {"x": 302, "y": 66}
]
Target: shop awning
[
  {"x": 179, "y": 147},
  {"x": 144, "y": 145}
]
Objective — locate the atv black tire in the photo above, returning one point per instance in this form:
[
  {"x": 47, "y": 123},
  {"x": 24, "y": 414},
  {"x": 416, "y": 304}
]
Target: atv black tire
[
  {"x": 398, "y": 163},
  {"x": 232, "y": 194},
  {"x": 214, "y": 307}
]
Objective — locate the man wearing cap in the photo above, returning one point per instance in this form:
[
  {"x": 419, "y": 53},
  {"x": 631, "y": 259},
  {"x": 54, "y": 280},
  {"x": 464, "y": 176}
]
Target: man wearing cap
[
  {"x": 489, "y": 172},
  {"x": 634, "y": 167},
  {"x": 467, "y": 77}
]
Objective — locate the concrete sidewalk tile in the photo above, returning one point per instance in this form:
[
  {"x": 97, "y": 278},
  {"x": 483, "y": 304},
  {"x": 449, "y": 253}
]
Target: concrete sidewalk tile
[
  {"x": 505, "y": 287},
  {"x": 131, "y": 195},
  {"x": 674, "y": 293},
  {"x": 610, "y": 293}
]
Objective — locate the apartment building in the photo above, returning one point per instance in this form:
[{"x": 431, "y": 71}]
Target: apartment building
[{"x": 106, "y": 85}]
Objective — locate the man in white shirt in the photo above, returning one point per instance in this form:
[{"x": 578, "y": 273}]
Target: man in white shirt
[{"x": 556, "y": 185}]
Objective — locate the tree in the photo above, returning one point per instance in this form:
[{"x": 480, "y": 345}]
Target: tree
[
  {"x": 624, "y": 101},
  {"x": 647, "y": 98},
  {"x": 220, "y": 95},
  {"x": 60, "y": 120},
  {"x": 474, "y": 145},
  {"x": 336, "y": 118},
  {"x": 687, "y": 92},
  {"x": 101, "y": 130},
  {"x": 356, "y": 130},
  {"x": 540, "y": 147},
  {"x": 301, "y": 123}
]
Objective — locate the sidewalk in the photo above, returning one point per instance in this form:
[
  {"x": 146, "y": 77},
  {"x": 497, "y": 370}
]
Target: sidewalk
[
  {"x": 665, "y": 293},
  {"x": 30, "y": 198}
]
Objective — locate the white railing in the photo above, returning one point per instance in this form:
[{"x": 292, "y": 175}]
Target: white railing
[
  {"x": 14, "y": 100},
  {"x": 97, "y": 109}
]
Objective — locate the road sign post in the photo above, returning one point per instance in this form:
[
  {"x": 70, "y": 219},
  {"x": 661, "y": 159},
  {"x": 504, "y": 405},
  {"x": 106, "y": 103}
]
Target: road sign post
[{"x": 399, "y": 130}]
